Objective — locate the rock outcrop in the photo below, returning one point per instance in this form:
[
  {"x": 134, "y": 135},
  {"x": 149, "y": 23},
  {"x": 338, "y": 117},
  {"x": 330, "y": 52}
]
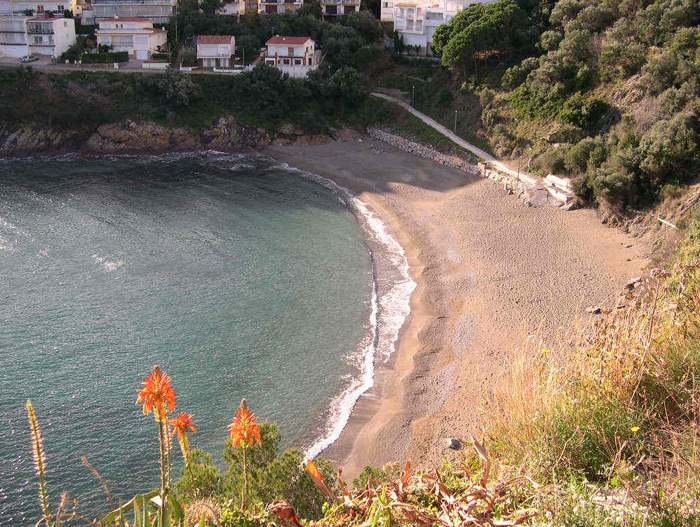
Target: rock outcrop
[{"x": 130, "y": 137}]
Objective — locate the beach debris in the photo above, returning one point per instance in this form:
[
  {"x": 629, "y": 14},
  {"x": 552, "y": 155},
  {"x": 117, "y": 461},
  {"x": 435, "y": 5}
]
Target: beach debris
[
  {"x": 454, "y": 444},
  {"x": 633, "y": 283},
  {"x": 667, "y": 223},
  {"x": 285, "y": 512},
  {"x": 594, "y": 310}
]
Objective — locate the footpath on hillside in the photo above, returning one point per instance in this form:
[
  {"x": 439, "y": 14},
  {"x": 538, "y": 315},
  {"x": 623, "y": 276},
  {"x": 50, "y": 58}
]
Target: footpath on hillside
[{"x": 556, "y": 186}]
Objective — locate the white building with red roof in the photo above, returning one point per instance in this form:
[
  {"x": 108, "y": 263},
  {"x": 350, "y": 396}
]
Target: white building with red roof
[
  {"x": 135, "y": 35},
  {"x": 215, "y": 51},
  {"x": 293, "y": 55},
  {"x": 44, "y": 35}
]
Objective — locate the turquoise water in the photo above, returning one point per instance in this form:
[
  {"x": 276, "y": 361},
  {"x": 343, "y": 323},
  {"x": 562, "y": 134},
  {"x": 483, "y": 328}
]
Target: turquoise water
[{"x": 236, "y": 276}]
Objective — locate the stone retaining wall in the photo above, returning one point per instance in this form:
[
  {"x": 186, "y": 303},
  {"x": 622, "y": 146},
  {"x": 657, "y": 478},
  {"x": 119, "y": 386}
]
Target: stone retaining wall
[
  {"x": 453, "y": 161},
  {"x": 530, "y": 195}
]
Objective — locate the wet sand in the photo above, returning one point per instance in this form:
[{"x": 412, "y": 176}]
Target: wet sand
[{"x": 490, "y": 271}]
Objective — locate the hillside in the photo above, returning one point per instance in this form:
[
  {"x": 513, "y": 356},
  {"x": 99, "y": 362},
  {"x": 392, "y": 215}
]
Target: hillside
[{"x": 602, "y": 91}]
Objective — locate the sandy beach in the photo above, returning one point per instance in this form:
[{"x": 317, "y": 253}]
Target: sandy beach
[{"x": 490, "y": 271}]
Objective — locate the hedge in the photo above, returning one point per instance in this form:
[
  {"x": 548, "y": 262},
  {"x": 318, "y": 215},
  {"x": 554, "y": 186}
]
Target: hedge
[{"x": 118, "y": 56}]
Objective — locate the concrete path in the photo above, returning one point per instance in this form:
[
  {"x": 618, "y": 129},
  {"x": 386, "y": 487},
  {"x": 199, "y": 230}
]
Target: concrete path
[{"x": 522, "y": 176}]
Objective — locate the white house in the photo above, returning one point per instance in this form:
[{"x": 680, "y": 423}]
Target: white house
[
  {"x": 215, "y": 51},
  {"x": 136, "y": 36},
  {"x": 21, "y": 35},
  {"x": 158, "y": 11},
  {"x": 293, "y": 55},
  {"x": 416, "y": 21},
  {"x": 335, "y": 8}
]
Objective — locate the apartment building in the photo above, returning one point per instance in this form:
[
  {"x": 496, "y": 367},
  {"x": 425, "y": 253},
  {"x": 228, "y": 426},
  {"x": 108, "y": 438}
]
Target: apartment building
[
  {"x": 278, "y": 6},
  {"x": 158, "y": 11},
  {"x": 35, "y": 7},
  {"x": 416, "y": 21},
  {"x": 22, "y": 35},
  {"x": 337, "y": 8}
]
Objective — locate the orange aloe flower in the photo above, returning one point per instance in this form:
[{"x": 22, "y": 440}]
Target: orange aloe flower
[
  {"x": 182, "y": 424},
  {"x": 157, "y": 394},
  {"x": 244, "y": 428}
]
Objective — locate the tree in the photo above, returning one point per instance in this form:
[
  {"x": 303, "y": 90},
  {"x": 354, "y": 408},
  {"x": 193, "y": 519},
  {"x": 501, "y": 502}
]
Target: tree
[
  {"x": 481, "y": 29},
  {"x": 210, "y": 7},
  {"x": 399, "y": 45}
]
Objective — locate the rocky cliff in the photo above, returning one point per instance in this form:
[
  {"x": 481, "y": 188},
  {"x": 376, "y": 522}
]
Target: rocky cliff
[{"x": 129, "y": 137}]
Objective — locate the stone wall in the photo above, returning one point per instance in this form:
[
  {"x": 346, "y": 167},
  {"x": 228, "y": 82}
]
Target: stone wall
[
  {"x": 529, "y": 194},
  {"x": 453, "y": 161}
]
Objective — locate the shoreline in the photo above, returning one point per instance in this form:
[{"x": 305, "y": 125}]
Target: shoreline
[
  {"x": 474, "y": 303},
  {"x": 392, "y": 284}
]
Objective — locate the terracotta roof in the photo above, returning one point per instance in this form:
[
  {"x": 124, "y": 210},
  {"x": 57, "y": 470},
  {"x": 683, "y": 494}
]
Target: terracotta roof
[
  {"x": 126, "y": 19},
  {"x": 287, "y": 40},
  {"x": 214, "y": 39}
]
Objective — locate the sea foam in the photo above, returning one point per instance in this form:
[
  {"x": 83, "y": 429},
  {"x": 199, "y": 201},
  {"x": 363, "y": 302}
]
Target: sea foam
[{"x": 388, "y": 313}]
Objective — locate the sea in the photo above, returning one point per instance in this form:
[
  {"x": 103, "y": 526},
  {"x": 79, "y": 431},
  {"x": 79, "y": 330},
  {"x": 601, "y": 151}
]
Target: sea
[{"x": 238, "y": 275}]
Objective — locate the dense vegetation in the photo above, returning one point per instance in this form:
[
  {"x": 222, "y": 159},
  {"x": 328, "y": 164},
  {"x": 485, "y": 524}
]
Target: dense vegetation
[
  {"x": 604, "y": 91},
  {"x": 260, "y": 97}
]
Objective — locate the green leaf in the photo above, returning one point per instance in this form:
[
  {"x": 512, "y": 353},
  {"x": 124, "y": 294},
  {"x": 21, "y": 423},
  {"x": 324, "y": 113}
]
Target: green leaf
[{"x": 115, "y": 514}]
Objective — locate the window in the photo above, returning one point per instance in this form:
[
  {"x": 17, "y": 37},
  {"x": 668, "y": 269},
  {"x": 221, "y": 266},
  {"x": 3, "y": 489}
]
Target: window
[
  {"x": 38, "y": 40},
  {"x": 297, "y": 62},
  {"x": 40, "y": 9},
  {"x": 290, "y": 52},
  {"x": 60, "y": 7}
]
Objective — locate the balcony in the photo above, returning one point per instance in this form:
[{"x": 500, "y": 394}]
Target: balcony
[
  {"x": 40, "y": 29},
  {"x": 131, "y": 2}
]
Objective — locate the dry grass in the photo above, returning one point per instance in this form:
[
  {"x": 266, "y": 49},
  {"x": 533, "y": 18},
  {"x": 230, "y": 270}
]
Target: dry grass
[{"x": 619, "y": 403}]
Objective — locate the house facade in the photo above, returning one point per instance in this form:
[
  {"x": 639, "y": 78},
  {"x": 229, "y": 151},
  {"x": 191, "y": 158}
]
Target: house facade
[
  {"x": 386, "y": 11},
  {"x": 36, "y": 7},
  {"x": 158, "y": 11},
  {"x": 416, "y": 21},
  {"x": 136, "y": 36},
  {"x": 215, "y": 51},
  {"x": 278, "y": 6},
  {"x": 20, "y": 35},
  {"x": 293, "y": 55},
  {"x": 336, "y": 8}
]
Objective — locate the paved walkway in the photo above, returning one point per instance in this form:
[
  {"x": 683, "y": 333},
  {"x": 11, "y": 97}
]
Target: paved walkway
[{"x": 522, "y": 176}]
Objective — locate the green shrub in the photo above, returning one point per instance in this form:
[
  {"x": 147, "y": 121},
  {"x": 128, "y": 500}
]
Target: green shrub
[
  {"x": 550, "y": 162},
  {"x": 582, "y": 111},
  {"x": 577, "y": 157},
  {"x": 516, "y": 75},
  {"x": 200, "y": 479},
  {"x": 105, "y": 58}
]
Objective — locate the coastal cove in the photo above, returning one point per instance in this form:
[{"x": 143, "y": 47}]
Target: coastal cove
[
  {"x": 481, "y": 290},
  {"x": 236, "y": 274},
  {"x": 491, "y": 274}
]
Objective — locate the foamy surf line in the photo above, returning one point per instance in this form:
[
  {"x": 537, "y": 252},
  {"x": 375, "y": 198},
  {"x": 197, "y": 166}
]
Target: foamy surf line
[{"x": 388, "y": 311}]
